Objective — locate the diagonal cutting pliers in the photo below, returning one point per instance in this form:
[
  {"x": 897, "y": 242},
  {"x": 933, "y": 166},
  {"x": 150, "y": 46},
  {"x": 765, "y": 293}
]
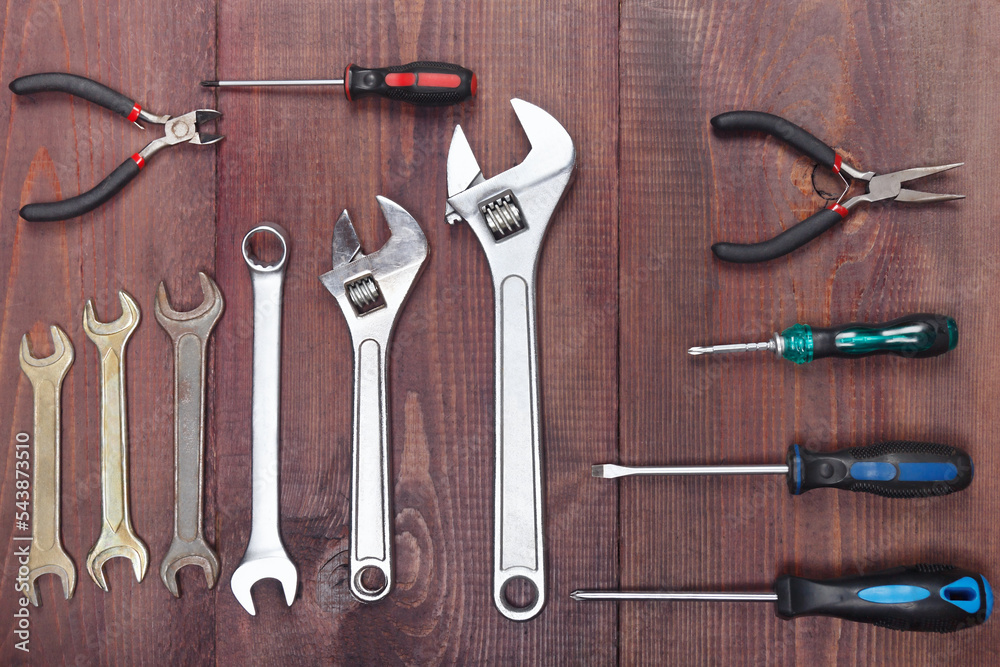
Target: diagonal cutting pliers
[
  {"x": 177, "y": 130},
  {"x": 879, "y": 187}
]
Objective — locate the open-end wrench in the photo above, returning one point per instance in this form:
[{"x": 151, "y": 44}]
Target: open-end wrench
[
  {"x": 265, "y": 557},
  {"x": 117, "y": 539},
  {"x": 509, "y": 214},
  {"x": 47, "y": 555},
  {"x": 189, "y": 332},
  {"x": 371, "y": 290}
]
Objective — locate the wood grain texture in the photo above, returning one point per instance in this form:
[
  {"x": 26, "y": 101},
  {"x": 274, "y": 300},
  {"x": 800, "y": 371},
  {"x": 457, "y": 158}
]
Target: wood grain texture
[
  {"x": 891, "y": 86},
  {"x": 627, "y": 283}
]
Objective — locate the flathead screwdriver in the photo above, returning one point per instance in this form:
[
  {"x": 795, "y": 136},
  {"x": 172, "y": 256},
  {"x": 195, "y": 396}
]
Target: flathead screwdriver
[
  {"x": 428, "y": 84},
  {"x": 894, "y": 469},
  {"x": 913, "y": 336},
  {"x": 921, "y": 598}
]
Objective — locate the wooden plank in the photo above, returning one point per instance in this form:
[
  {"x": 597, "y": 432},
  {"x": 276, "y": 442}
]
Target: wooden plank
[
  {"x": 890, "y": 88},
  {"x": 161, "y": 228},
  {"x": 300, "y": 157}
]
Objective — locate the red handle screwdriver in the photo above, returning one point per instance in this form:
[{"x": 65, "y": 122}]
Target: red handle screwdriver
[{"x": 427, "y": 84}]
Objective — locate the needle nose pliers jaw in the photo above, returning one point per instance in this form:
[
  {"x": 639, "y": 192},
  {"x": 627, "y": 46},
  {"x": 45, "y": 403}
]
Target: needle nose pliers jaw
[
  {"x": 177, "y": 130},
  {"x": 878, "y": 186}
]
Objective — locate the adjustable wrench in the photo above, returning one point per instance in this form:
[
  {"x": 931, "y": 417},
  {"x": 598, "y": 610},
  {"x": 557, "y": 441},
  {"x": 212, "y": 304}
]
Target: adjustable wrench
[
  {"x": 189, "y": 332},
  {"x": 371, "y": 290},
  {"x": 265, "y": 557},
  {"x": 46, "y": 555},
  {"x": 117, "y": 539},
  {"x": 509, "y": 214}
]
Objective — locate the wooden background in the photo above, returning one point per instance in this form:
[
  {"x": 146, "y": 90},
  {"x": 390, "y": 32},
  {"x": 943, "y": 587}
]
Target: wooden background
[{"x": 627, "y": 282}]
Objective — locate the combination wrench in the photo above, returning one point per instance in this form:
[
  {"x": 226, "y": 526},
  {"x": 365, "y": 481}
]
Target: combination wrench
[
  {"x": 265, "y": 557},
  {"x": 117, "y": 539},
  {"x": 189, "y": 332},
  {"x": 46, "y": 555},
  {"x": 509, "y": 214},
  {"x": 371, "y": 290}
]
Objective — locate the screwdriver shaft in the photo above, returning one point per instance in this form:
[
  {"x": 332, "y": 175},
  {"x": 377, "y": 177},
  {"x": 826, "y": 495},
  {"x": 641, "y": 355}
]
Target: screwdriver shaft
[
  {"x": 610, "y": 470},
  {"x": 272, "y": 82},
  {"x": 673, "y": 595},
  {"x": 735, "y": 347}
]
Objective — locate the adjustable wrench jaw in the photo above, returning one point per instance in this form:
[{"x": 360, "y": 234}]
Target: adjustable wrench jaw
[
  {"x": 537, "y": 185},
  {"x": 393, "y": 268},
  {"x": 46, "y": 555}
]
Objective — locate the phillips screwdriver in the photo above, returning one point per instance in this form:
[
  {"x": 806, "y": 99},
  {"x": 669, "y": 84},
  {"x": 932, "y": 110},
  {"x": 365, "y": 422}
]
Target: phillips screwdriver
[
  {"x": 427, "y": 84},
  {"x": 922, "y": 598},
  {"x": 912, "y": 336},
  {"x": 894, "y": 469}
]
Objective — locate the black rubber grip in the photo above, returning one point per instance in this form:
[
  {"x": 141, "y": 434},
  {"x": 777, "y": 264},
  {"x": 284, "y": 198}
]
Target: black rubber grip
[
  {"x": 924, "y": 598},
  {"x": 893, "y": 469},
  {"x": 426, "y": 84},
  {"x": 80, "y": 86},
  {"x": 779, "y": 128},
  {"x": 83, "y": 203},
  {"x": 782, "y": 244},
  {"x": 913, "y": 336}
]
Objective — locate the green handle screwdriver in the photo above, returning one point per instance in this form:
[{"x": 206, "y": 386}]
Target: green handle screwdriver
[{"x": 912, "y": 336}]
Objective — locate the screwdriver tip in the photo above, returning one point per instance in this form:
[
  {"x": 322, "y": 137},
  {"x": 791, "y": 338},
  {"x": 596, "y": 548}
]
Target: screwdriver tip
[
  {"x": 597, "y": 470},
  {"x": 696, "y": 351},
  {"x": 576, "y": 595},
  {"x": 210, "y": 84}
]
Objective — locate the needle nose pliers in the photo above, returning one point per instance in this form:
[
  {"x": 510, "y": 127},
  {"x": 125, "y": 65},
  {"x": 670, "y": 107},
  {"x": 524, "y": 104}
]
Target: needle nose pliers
[
  {"x": 177, "y": 130},
  {"x": 878, "y": 186}
]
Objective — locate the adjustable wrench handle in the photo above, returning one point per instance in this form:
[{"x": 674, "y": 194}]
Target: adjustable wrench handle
[
  {"x": 371, "y": 510},
  {"x": 518, "y": 545},
  {"x": 268, "y": 282}
]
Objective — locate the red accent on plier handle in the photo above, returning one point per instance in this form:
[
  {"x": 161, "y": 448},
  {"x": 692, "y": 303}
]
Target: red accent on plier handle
[
  {"x": 134, "y": 115},
  {"x": 839, "y": 209}
]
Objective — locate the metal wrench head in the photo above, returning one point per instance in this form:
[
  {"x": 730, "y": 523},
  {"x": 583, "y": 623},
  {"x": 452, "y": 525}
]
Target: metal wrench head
[
  {"x": 511, "y": 211},
  {"x": 371, "y": 288},
  {"x": 107, "y": 335},
  {"x": 183, "y": 553},
  {"x": 269, "y": 565},
  {"x": 47, "y": 555},
  {"x": 55, "y": 365},
  {"x": 121, "y": 544},
  {"x": 199, "y": 321}
]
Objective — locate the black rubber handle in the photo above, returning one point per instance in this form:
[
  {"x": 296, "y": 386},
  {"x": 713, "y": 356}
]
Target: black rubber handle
[
  {"x": 88, "y": 201},
  {"x": 779, "y": 128},
  {"x": 782, "y": 244},
  {"x": 426, "y": 84},
  {"x": 912, "y": 336},
  {"x": 894, "y": 469},
  {"x": 924, "y": 598},
  {"x": 80, "y": 86}
]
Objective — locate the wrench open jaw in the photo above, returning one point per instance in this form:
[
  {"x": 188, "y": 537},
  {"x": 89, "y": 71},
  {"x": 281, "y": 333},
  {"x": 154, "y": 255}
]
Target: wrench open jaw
[
  {"x": 189, "y": 332},
  {"x": 510, "y": 214},
  {"x": 371, "y": 290},
  {"x": 47, "y": 555},
  {"x": 117, "y": 539}
]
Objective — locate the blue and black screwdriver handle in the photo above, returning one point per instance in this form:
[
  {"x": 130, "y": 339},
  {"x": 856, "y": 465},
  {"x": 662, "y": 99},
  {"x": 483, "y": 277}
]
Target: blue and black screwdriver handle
[
  {"x": 879, "y": 187},
  {"x": 177, "y": 130},
  {"x": 915, "y": 336},
  {"x": 893, "y": 469},
  {"x": 919, "y": 598}
]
